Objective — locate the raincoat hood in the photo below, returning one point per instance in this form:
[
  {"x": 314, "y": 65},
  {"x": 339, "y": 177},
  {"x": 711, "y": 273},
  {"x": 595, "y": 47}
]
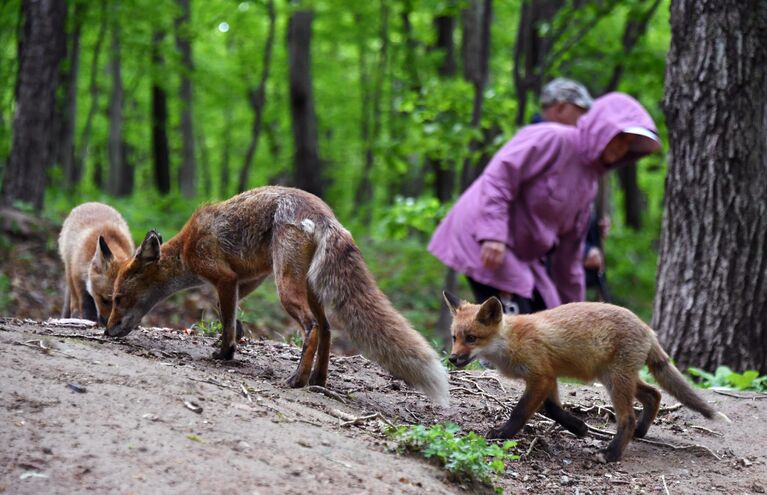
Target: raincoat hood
[{"x": 610, "y": 115}]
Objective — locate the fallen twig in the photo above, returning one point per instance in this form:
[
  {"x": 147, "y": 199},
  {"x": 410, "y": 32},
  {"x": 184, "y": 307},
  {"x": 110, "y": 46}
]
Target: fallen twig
[
  {"x": 483, "y": 394},
  {"x": 327, "y": 393},
  {"x": 606, "y": 435},
  {"x": 702, "y": 428},
  {"x": 756, "y": 396},
  {"x": 665, "y": 486},
  {"x": 362, "y": 419}
]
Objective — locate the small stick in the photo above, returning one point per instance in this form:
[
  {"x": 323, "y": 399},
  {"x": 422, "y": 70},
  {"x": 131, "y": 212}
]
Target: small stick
[
  {"x": 739, "y": 396},
  {"x": 530, "y": 449},
  {"x": 702, "y": 428},
  {"x": 326, "y": 392},
  {"x": 665, "y": 486}
]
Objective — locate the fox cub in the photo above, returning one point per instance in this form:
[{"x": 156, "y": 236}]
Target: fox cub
[
  {"x": 586, "y": 341},
  {"x": 93, "y": 243}
]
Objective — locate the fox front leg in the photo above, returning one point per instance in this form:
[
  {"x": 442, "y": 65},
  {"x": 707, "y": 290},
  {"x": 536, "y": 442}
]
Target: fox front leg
[{"x": 528, "y": 404}]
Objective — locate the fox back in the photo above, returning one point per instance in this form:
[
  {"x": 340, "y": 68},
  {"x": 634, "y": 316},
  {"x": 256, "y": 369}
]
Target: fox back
[{"x": 94, "y": 242}]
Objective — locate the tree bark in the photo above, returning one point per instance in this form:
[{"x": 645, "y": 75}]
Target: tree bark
[
  {"x": 160, "y": 153},
  {"x": 711, "y": 304},
  {"x": 257, "y": 97},
  {"x": 187, "y": 179},
  {"x": 119, "y": 182},
  {"x": 307, "y": 173},
  {"x": 41, "y": 49}
]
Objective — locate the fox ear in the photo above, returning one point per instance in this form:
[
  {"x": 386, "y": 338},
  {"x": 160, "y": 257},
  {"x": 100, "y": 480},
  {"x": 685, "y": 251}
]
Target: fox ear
[
  {"x": 106, "y": 253},
  {"x": 149, "y": 251},
  {"x": 453, "y": 303},
  {"x": 491, "y": 312}
]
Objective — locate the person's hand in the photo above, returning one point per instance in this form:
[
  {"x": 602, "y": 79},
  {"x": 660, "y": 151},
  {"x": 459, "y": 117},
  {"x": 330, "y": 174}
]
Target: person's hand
[
  {"x": 594, "y": 260},
  {"x": 492, "y": 254}
]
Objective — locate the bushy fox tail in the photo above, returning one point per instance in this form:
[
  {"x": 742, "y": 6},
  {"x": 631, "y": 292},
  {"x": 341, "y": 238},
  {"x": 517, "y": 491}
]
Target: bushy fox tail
[
  {"x": 340, "y": 279},
  {"x": 672, "y": 380}
]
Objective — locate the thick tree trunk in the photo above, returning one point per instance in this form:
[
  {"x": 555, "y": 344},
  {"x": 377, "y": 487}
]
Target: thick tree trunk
[
  {"x": 187, "y": 179},
  {"x": 119, "y": 182},
  {"x": 160, "y": 153},
  {"x": 41, "y": 48},
  {"x": 307, "y": 173},
  {"x": 711, "y": 304},
  {"x": 257, "y": 97}
]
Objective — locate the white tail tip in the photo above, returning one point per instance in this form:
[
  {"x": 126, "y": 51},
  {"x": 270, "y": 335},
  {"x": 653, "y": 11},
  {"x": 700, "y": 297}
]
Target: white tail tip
[{"x": 723, "y": 416}]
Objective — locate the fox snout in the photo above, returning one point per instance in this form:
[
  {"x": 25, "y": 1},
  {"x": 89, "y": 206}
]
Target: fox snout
[
  {"x": 119, "y": 329},
  {"x": 460, "y": 360}
]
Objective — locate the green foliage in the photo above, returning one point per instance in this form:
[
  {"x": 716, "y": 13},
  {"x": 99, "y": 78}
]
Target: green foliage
[
  {"x": 410, "y": 217},
  {"x": 209, "y": 328},
  {"x": 5, "y": 294},
  {"x": 467, "y": 457},
  {"x": 724, "y": 377}
]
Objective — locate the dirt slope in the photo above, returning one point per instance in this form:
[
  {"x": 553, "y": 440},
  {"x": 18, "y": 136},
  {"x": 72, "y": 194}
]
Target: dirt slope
[{"x": 131, "y": 432}]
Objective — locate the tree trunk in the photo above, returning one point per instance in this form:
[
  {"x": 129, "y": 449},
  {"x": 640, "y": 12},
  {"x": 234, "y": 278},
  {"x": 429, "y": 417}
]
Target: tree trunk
[
  {"x": 307, "y": 173},
  {"x": 371, "y": 111},
  {"x": 636, "y": 26},
  {"x": 531, "y": 49},
  {"x": 711, "y": 304},
  {"x": 187, "y": 171},
  {"x": 41, "y": 49},
  {"x": 444, "y": 174},
  {"x": 94, "y": 93},
  {"x": 66, "y": 151},
  {"x": 257, "y": 97},
  {"x": 116, "y": 183},
  {"x": 476, "y": 57},
  {"x": 160, "y": 153}
]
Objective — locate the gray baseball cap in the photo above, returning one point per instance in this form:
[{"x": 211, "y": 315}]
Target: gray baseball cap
[{"x": 568, "y": 91}]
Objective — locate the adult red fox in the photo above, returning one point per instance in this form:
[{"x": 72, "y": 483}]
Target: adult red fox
[
  {"x": 94, "y": 242},
  {"x": 234, "y": 245},
  {"x": 586, "y": 341}
]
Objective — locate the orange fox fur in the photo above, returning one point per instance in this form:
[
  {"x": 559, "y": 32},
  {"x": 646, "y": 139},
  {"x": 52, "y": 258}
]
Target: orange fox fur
[
  {"x": 234, "y": 245},
  {"x": 94, "y": 242},
  {"x": 586, "y": 341}
]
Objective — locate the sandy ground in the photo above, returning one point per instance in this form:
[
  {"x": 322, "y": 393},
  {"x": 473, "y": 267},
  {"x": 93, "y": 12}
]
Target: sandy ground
[{"x": 81, "y": 413}]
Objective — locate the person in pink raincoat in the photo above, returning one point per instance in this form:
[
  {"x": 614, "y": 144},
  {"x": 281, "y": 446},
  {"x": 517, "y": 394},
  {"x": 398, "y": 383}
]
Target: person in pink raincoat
[{"x": 532, "y": 202}]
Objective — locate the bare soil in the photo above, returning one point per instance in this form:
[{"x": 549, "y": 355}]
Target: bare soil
[{"x": 152, "y": 413}]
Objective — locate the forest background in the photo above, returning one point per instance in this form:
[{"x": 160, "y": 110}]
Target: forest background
[{"x": 387, "y": 109}]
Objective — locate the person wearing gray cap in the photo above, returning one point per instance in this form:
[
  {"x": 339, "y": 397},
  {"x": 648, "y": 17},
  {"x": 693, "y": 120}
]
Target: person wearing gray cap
[{"x": 564, "y": 101}]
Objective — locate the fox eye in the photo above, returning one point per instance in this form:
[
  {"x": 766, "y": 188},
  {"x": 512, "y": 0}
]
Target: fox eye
[
  {"x": 107, "y": 301},
  {"x": 453, "y": 338},
  {"x": 470, "y": 339},
  {"x": 118, "y": 300}
]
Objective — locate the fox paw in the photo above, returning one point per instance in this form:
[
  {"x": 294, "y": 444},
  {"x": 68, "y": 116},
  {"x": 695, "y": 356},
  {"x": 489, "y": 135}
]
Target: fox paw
[
  {"x": 607, "y": 456},
  {"x": 224, "y": 354},
  {"x": 296, "y": 381},
  {"x": 497, "y": 433}
]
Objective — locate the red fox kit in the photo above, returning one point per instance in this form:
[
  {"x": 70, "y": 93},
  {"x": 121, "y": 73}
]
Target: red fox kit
[
  {"x": 234, "y": 245},
  {"x": 93, "y": 243},
  {"x": 586, "y": 341}
]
